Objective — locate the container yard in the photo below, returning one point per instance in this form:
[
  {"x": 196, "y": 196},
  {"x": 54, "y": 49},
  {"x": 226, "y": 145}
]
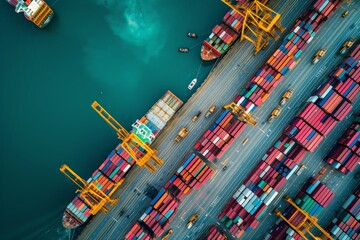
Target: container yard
[{"x": 236, "y": 187}]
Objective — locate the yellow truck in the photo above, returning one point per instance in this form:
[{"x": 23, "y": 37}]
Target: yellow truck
[
  {"x": 275, "y": 113},
  {"x": 181, "y": 134},
  {"x": 287, "y": 95},
  {"x": 167, "y": 235},
  {"x": 319, "y": 54},
  {"x": 348, "y": 44},
  {"x": 210, "y": 111},
  {"x": 193, "y": 220}
]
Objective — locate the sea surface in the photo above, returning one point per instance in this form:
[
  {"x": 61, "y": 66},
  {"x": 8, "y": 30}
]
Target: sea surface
[{"x": 122, "y": 53}]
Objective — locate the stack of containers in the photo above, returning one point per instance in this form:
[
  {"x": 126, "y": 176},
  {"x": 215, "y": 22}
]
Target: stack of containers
[
  {"x": 113, "y": 170},
  {"x": 162, "y": 210},
  {"x": 347, "y": 225},
  {"x": 234, "y": 20},
  {"x": 303, "y": 134},
  {"x": 250, "y": 201},
  {"x": 225, "y": 34},
  {"x": 215, "y": 234},
  {"x": 320, "y": 121},
  {"x": 345, "y": 154},
  {"x": 219, "y": 136},
  {"x": 162, "y": 111},
  {"x": 139, "y": 232},
  {"x": 313, "y": 197},
  {"x": 192, "y": 174},
  {"x": 221, "y": 38}
]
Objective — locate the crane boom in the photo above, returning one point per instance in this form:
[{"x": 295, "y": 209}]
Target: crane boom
[
  {"x": 241, "y": 113},
  {"x": 141, "y": 152},
  {"x": 305, "y": 225},
  {"x": 259, "y": 24}
]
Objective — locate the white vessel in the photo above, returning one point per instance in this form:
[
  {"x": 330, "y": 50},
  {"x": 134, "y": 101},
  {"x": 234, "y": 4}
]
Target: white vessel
[{"x": 192, "y": 84}]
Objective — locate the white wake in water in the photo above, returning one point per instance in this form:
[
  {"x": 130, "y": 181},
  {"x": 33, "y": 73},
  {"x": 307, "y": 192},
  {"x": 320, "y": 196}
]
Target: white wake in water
[{"x": 137, "y": 23}]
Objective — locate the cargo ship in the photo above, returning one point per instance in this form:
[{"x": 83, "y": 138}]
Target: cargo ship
[
  {"x": 223, "y": 35},
  {"x": 119, "y": 163},
  {"x": 36, "y": 11}
]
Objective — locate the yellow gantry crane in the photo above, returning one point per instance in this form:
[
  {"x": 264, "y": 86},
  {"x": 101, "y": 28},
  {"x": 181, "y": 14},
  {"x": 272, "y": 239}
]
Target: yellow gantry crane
[
  {"x": 90, "y": 193},
  {"x": 241, "y": 113},
  {"x": 305, "y": 225},
  {"x": 259, "y": 24},
  {"x": 132, "y": 144}
]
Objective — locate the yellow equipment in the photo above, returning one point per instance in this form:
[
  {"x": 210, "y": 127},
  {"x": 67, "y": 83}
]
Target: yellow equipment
[
  {"x": 181, "y": 134},
  {"x": 275, "y": 113},
  {"x": 192, "y": 220},
  {"x": 167, "y": 235},
  {"x": 305, "y": 225},
  {"x": 94, "y": 197},
  {"x": 319, "y": 54},
  {"x": 287, "y": 95},
  {"x": 132, "y": 144},
  {"x": 260, "y": 23},
  {"x": 210, "y": 111},
  {"x": 241, "y": 113}
]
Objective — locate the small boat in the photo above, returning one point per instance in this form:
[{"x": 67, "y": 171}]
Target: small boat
[
  {"x": 192, "y": 35},
  {"x": 184, "y": 50},
  {"x": 192, "y": 84}
]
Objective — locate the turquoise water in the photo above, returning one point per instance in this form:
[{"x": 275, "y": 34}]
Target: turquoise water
[{"x": 121, "y": 53}]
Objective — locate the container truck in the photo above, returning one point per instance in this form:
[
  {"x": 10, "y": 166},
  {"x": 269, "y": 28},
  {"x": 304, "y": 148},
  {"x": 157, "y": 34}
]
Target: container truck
[
  {"x": 196, "y": 116},
  {"x": 193, "y": 220},
  {"x": 181, "y": 134},
  {"x": 319, "y": 54},
  {"x": 210, "y": 111},
  {"x": 348, "y": 44},
  {"x": 287, "y": 95},
  {"x": 167, "y": 235},
  {"x": 275, "y": 113}
]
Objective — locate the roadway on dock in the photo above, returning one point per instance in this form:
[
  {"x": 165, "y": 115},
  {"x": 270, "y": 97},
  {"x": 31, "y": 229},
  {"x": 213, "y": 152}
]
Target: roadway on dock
[{"x": 220, "y": 88}]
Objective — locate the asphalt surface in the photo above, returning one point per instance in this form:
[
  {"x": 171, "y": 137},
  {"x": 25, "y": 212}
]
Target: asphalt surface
[{"x": 220, "y": 88}]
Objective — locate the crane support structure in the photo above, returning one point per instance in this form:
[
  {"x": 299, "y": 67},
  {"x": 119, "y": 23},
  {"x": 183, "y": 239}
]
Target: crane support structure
[
  {"x": 132, "y": 144},
  {"x": 241, "y": 113},
  {"x": 305, "y": 225},
  {"x": 89, "y": 192},
  {"x": 259, "y": 24}
]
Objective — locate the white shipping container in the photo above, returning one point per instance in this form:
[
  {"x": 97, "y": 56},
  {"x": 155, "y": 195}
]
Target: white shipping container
[
  {"x": 326, "y": 92},
  {"x": 270, "y": 198},
  {"x": 312, "y": 99},
  {"x": 240, "y": 222},
  {"x": 264, "y": 157},
  {"x": 295, "y": 168},
  {"x": 155, "y": 120},
  {"x": 216, "y": 140},
  {"x": 143, "y": 216},
  {"x": 127, "y": 168},
  {"x": 289, "y": 148}
]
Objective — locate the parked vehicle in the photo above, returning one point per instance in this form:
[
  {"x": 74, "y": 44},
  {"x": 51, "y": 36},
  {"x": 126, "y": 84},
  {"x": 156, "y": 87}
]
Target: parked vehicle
[
  {"x": 210, "y": 111},
  {"x": 318, "y": 55},
  {"x": 345, "y": 13},
  {"x": 275, "y": 113},
  {"x": 196, "y": 116},
  {"x": 348, "y": 44},
  {"x": 287, "y": 95},
  {"x": 193, "y": 220},
  {"x": 300, "y": 170},
  {"x": 181, "y": 134},
  {"x": 167, "y": 235},
  {"x": 245, "y": 141}
]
